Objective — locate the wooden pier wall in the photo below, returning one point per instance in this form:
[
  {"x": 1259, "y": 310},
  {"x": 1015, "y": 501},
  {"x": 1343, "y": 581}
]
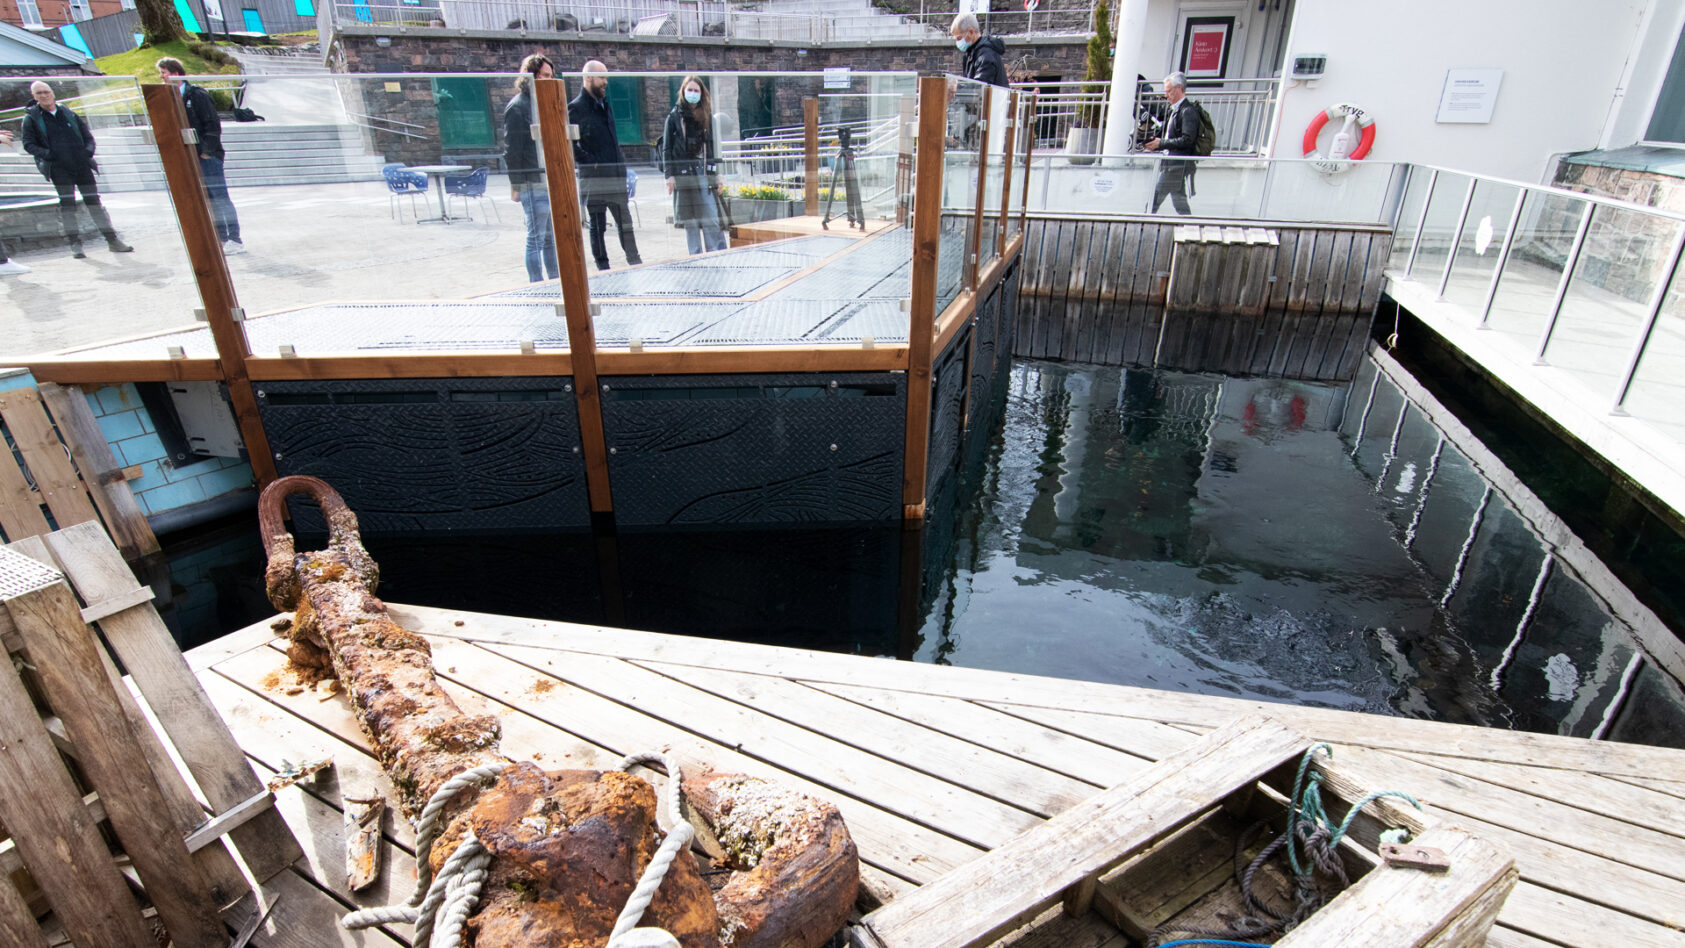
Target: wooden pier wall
[{"x": 1096, "y": 291}]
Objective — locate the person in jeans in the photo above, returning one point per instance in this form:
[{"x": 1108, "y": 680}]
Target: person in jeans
[
  {"x": 207, "y": 126},
  {"x": 526, "y": 171},
  {"x": 602, "y": 168},
  {"x": 688, "y": 156},
  {"x": 63, "y": 147}
]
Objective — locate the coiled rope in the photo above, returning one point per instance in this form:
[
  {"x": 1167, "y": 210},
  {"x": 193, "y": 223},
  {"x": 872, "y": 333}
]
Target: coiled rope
[{"x": 676, "y": 842}]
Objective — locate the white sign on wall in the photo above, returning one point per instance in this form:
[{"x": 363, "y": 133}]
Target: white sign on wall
[
  {"x": 836, "y": 77},
  {"x": 1469, "y": 95}
]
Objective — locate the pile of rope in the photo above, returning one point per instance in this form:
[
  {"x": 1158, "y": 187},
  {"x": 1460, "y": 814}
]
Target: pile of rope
[
  {"x": 1311, "y": 843},
  {"x": 439, "y": 906}
]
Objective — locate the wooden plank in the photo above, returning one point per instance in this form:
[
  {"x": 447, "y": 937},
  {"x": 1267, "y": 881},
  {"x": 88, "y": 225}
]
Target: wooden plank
[
  {"x": 883, "y": 357},
  {"x": 44, "y": 813},
  {"x": 56, "y": 479},
  {"x": 1159, "y": 275},
  {"x": 168, "y": 117},
  {"x": 1322, "y": 263},
  {"x": 1282, "y": 271},
  {"x": 1339, "y": 262},
  {"x": 88, "y": 447},
  {"x": 810, "y": 145},
  {"x": 1351, "y": 276},
  {"x": 1565, "y": 919},
  {"x": 576, "y": 292},
  {"x": 1023, "y": 877},
  {"x": 20, "y": 507},
  {"x": 66, "y": 370},
  {"x": 265, "y": 368},
  {"x": 17, "y": 923},
  {"x": 1380, "y": 250},
  {"x": 1502, "y": 937},
  {"x": 1118, "y": 291},
  {"x": 927, "y": 234},
  {"x": 1075, "y": 314},
  {"x": 307, "y": 917}
]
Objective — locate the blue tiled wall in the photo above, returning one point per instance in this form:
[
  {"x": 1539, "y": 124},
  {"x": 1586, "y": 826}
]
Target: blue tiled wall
[{"x": 134, "y": 440}]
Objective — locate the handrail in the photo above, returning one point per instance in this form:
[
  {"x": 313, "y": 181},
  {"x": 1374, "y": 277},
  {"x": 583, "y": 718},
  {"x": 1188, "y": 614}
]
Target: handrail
[
  {"x": 355, "y": 118},
  {"x": 1564, "y": 192}
]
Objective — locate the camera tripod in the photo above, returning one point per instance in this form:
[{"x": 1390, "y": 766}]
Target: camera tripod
[{"x": 845, "y": 166}]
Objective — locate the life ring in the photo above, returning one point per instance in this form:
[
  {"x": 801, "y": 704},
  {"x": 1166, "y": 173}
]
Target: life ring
[{"x": 1353, "y": 115}]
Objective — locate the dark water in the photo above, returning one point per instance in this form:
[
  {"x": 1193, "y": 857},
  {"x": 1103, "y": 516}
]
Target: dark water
[{"x": 1280, "y": 540}]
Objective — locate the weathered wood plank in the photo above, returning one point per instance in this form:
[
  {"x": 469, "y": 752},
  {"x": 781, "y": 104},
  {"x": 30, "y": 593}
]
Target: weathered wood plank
[
  {"x": 88, "y": 447},
  {"x": 1024, "y": 876},
  {"x": 1339, "y": 262},
  {"x": 20, "y": 507},
  {"x": 17, "y": 923},
  {"x": 1567, "y": 920},
  {"x": 1380, "y": 249},
  {"x": 27, "y": 420},
  {"x": 75, "y": 680},
  {"x": 149, "y": 652},
  {"x": 307, "y": 917}
]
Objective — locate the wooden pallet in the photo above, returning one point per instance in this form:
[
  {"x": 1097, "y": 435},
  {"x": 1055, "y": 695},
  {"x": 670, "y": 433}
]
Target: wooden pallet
[
  {"x": 68, "y": 471},
  {"x": 1098, "y": 855},
  {"x": 82, "y": 752}
]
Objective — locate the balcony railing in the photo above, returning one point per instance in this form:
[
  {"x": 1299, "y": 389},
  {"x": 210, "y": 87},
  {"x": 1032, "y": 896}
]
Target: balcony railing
[{"x": 1241, "y": 110}]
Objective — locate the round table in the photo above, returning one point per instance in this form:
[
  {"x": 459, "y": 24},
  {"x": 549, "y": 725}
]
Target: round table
[{"x": 437, "y": 173}]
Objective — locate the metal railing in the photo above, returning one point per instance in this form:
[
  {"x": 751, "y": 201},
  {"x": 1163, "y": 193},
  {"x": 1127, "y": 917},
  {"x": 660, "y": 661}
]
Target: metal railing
[{"x": 1241, "y": 110}]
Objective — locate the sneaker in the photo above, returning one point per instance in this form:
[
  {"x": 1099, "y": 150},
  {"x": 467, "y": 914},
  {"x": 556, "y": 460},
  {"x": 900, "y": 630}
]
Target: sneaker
[
  {"x": 232, "y": 247},
  {"x": 116, "y": 245},
  {"x": 12, "y": 267},
  {"x": 77, "y": 251}
]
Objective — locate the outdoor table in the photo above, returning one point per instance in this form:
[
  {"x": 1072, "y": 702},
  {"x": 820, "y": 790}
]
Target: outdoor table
[{"x": 437, "y": 173}]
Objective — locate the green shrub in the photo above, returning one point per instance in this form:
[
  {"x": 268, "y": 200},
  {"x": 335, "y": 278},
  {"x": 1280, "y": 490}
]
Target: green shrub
[{"x": 762, "y": 192}]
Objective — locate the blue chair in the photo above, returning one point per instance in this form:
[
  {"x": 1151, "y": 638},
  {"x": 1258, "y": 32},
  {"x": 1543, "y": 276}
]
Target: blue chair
[
  {"x": 399, "y": 181},
  {"x": 471, "y": 185}
]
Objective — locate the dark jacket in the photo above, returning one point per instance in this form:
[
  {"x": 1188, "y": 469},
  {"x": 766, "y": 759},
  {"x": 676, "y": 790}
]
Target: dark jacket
[
  {"x": 1182, "y": 130},
  {"x": 687, "y": 155},
  {"x": 201, "y": 114},
  {"x": 596, "y": 153},
  {"x": 520, "y": 152},
  {"x": 983, "y": 61},
  {"x": 60, "y": 142}
]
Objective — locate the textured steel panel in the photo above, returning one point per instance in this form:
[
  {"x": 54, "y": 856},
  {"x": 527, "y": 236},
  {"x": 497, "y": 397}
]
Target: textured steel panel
[
  {"x": 946, "y": 408},
  {"x": 793, "y": 322},
  {"x": 744, "y": 449},
  {"x": 409, "y": 454}
]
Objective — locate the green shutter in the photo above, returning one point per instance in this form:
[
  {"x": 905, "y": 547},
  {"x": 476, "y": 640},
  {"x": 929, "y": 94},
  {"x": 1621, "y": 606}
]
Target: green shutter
[
  {"x": 626, "y": 98},
  {"x": 464, "y": 113}
]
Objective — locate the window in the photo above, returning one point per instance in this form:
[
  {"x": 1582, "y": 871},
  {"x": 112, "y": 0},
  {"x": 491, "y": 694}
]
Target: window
[
  {"x": 304, "y": 8},
  {"x": 1667, "y": 122},
  {"x": 254, "y": 22},
  {"x": 79, "y": 10},
  {"x": 126, "y": 4},
  {"x": 29, "y": 13}
]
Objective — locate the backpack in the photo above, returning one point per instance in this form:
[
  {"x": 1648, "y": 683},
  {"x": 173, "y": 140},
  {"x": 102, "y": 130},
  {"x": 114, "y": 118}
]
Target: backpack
[
  {"x": 1206, "y": 141},
  {"x": 246, "y": 115}
]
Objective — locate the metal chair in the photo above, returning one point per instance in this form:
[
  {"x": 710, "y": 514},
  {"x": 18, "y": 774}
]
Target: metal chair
[
  {"x": 471, "y": 185},
  {"x": 632, "y": 192},
  {"x": 400, "y": 181}
]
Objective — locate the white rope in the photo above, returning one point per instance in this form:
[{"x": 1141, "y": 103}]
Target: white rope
[
  {"x": 676, "y": 842},
  {"x": 427, "y": 827}
]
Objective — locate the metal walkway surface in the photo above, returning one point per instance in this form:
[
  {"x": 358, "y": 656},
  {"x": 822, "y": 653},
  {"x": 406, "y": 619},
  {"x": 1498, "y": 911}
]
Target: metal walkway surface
[{"x": 807, "y": 290}]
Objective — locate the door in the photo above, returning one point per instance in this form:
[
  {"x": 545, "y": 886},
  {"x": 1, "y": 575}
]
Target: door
[
  {"x": 626, "y": 98},
  {"x": 254, "y": 22},
  {"x": 464, "y": 113}
]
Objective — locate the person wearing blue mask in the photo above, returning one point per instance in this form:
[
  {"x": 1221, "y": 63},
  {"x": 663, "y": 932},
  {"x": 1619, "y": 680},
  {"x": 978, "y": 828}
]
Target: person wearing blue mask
[
  {"x": 982, "y": 53},
  {"x": 688, "y": 159}
]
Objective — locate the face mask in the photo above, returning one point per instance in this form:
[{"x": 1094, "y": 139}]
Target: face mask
[
  {"x": 692, "y": 96},
  {"x": 962, "y": 45}
]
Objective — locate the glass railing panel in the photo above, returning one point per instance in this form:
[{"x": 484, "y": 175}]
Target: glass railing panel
[
  {"x": 1484, "y": 230},
  {"x": 1409, "y": 216},
  {"x": 70, "y": 303},
  {"x": 1439, "y": 228},
  {"x": 1242, "y": 189},
  {"x": 1527, "y": 288},
  {"x": 1316, "y": 191},
  {"x": 964, "y": 139},
  {"x": 994, "y": 179},
  {"x": 1619, "y": 268},
  {"x": 1655, "y": 394},
  {"x": 1023, "y": 143}
]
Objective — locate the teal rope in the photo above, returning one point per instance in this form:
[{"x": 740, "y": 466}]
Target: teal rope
[{"x": 1307, "y": 806}]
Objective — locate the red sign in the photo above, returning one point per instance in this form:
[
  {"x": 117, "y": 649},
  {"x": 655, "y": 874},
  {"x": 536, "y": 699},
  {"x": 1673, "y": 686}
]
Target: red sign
[{"x": 1205, "y": 50}]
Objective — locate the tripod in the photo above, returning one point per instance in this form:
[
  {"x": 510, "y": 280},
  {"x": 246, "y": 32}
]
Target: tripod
[{"x": 845, "y": 165}]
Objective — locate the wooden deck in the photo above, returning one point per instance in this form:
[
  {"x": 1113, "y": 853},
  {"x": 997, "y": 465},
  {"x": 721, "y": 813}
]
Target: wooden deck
[{"x": 933, "y": 765}]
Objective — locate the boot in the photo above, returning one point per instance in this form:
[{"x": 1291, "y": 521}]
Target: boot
[
  {"x": 115, "y": 243},
  {"x": 72, "y": 232},
  {"x": 102, "y": 220},
  {"x": 76, "y": 248}
]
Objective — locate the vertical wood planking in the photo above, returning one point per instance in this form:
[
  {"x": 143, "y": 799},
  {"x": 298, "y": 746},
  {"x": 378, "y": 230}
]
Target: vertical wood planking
[
  {"x": 1380, "y": 249},
  {"x": 1297, "y": 287},
  {"x": 17, "y": 923},
  {"x": 810, "y": 144},
  {"x": 27, "y": 419},
  {"x": 168, "y": 116},
  {"x": 62, "y": 648},
  {"x": 921, "y": 327},
  {"x": 20, "y": 511},
  {"x": 1077, "y": 316},
  {"x": 551, "y": 99},
  {"x": 1282, "y": 271},
  {"x": 1121, "y": 291},
  {"x": 1316, "y": 287},
  {"x": 116, "y": 502},
  {"x": 1059, "y": 277},
  {"x": 1340, "y": 261}
]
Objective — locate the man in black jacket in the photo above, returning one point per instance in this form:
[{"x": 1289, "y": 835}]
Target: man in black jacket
[
  {"x": 982, "y": 53},
  {"x": 207, "y": 126},
  {"x": 63, "y": 146},
  {"x": 1180, "y": 134},
  {"x": 601, "y": 166}
]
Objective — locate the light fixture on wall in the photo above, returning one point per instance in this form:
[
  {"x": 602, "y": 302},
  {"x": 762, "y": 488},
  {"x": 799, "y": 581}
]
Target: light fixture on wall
[
  {"x": 383, "y": 41},
  {"x": 801, "y": 52}
]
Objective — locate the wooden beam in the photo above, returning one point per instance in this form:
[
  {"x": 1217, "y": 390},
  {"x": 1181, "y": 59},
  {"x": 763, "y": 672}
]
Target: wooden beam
[
  {"x": 210, "y": 268},
  {"x": 921, "y": 316},
  {"x": 124, "y": 519},
  {"x": 20, "y": 506},
  {"x": 17, "y": 923},
  {"x": 551, "y": 98},
  {"x": 690, "y": 361},
  {"x": 974, "y": 252},
  {"x": 1006, "y": 176},
  {"x": 55, "y": 477},
  {"x": 432, "y": 365},
  {"x": 810, "y": 180},
  {"x": 65, "y": 371},
  {"x": 1029, "y": 159}
]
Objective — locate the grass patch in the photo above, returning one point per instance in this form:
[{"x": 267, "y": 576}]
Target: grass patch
[{"x": 200, "y": 59}]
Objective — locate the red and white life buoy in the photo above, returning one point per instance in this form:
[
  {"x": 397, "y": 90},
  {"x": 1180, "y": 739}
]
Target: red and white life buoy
[{"x": 1341, "y": 147}]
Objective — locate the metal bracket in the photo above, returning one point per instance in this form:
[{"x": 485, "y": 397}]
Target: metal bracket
[
  {"x": 534, "y": 132},
  {"x": 594, "y": 308},
  {"x": 189, "y": 136},
  {"x": 982, "y": 125},
  {"x": 288, "y": 352},
  {"x": 527, "y": 347},
  {"x": 147, "y": 137},
  {"x": 238, "y": 313},
  {"x": 177, "y": 353},
  {"x": 573, "y": 132},
  {"x": 199, "y": 315}
]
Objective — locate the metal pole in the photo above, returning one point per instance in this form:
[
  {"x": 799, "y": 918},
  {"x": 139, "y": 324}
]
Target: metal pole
[
  {"x": 1503, "y": 258},
  {"x": 1568, "y": 263},
  {"x": 1421, "y": 220},
  {"x": 1457, "y": 237},
  {"x": 1649, "y": 322}
]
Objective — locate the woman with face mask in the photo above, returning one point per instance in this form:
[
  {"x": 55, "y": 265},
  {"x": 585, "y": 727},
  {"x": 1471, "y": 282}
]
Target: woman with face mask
[{"x": 688, "y": 157}]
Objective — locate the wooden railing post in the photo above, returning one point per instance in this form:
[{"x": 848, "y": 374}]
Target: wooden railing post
[
  {"x": 551, "y": 97},
  {"x": 921, "y": 315},
  {"x": 1006, "y": 175},
  {"x": 810, "y": 180},
  {"x": 1029, "y": 154},
  {"x": 210, "y": 268},
  {"x": 974, "y": 251}
]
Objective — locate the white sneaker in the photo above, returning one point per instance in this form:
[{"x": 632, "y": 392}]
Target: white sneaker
[
  {"x": 11, "y": 267},
  {"x": 232, "y": 247}
]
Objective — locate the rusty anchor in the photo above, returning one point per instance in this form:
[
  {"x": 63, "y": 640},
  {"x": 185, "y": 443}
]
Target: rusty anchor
[{"x": 509, "y": 854}]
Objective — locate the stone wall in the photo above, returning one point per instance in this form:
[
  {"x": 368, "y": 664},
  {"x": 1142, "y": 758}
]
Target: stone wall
[{"x": 1626, "y": 252}]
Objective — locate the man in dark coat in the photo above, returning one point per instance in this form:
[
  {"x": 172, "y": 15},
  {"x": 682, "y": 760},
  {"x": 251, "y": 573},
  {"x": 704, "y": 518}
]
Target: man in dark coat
[
  {"x": 982, "y": 53},
  {"x": 601, "y": 166},
  {"x": 207, "y": 127},
  {"x": 1181, "y": 131},
  {"x": 63, "y": 146}
]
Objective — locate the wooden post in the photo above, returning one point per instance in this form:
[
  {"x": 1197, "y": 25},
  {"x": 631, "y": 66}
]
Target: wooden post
[
  {"x": 62, "y": 648},
  {"x": 210, "y": 268},
  {"x": 974, "y": 253},
  {"x": 1029, "y": 159},
  {"x": 810, "y": 180},
  {"x": 921, "y": 316},
  {"x": 551, "y": 97},
  {"x": 1006, "y": 176},
  {"x": 904, "y": 157},
  {"x": 123, "y": 517}
]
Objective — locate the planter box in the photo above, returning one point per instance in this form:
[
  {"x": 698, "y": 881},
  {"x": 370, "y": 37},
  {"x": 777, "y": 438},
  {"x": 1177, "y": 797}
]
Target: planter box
[{"x": 752, "y": 210}]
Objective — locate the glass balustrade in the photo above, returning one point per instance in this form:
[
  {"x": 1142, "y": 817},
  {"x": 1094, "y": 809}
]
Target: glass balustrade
[
  {"x": 1478, "y": 248},
  {"x": 1526, "y": 295}
]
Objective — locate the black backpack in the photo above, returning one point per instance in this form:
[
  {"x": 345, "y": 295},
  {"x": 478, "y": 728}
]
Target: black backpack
[
  {"x": 246, "y": 115},
  {"x": 1206, "y": 141}
]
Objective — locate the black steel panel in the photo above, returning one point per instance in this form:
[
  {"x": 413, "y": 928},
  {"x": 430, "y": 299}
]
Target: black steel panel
[
  {"x": 453, "y": 454},
  {"x": 740, "y": 449},
  {"x": 946, "y": 411}
]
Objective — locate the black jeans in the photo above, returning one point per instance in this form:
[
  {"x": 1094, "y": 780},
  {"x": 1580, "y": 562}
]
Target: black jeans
[
  {"x": 1172, "y": 183},
  {"x": 67, "y": 182},
  {"x": 598, "y": 209}
]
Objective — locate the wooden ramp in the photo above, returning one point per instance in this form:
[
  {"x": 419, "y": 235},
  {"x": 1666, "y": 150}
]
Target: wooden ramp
[
  {"x": 808, "y": 226},
  {"x": 933, "y": 766}
]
